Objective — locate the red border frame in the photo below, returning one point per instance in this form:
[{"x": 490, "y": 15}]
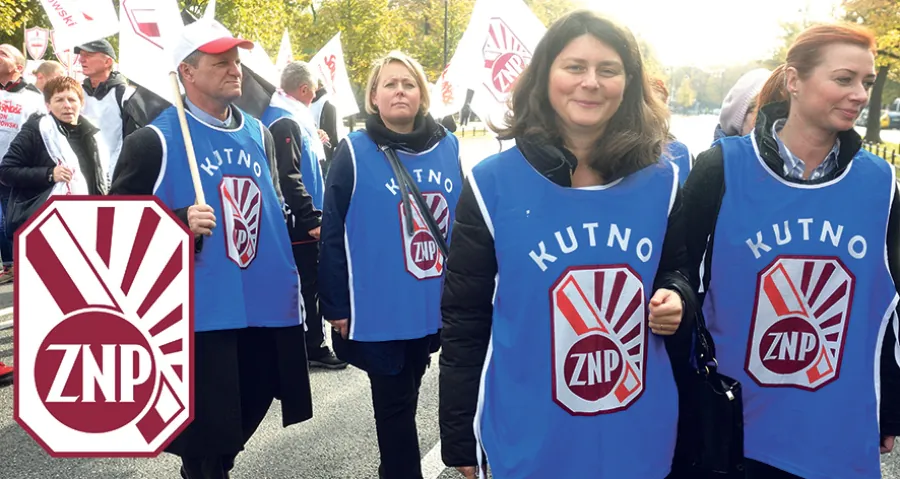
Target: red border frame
[
  {"x": 553, "y": 287},
  {"x": 840, "y": 358},
  {"x": 189, "y": 243}
]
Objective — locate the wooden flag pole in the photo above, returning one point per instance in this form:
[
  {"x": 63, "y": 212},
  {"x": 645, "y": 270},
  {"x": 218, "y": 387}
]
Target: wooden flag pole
[{"x": 188, "y": 144}]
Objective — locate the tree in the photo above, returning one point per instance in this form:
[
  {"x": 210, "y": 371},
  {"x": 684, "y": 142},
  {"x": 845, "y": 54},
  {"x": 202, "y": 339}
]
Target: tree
[
  {"x": 261, "y": 21},
  {"x": 548, "y": 11},
  {"x": 882, "y": 17},
  {"x": 15, "y": 16},
  {"x": 686, "y": 95},
  {"x": 423, "y": 30}
]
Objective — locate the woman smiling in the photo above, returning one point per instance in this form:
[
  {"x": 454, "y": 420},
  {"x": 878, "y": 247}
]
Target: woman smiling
[{"x": 563, "y": 247}]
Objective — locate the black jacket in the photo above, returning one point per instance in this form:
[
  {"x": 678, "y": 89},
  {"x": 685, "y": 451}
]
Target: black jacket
[
  {"x": 703, "y": 194},
  {"x": 385, "y": 357},
  {"x": 27, "y": 166},
  {"x": 467, "y": 302},
  {"x": 303, "y": 215}
]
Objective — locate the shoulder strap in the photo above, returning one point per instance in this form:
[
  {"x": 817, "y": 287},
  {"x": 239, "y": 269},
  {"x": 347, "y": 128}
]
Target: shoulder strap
[{"x": 409, "y": 188}]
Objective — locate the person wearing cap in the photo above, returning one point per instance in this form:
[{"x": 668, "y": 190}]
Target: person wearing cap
[
  {"x": 47, "y": 71},
  {"x": 20, "y": 101},
  {"x": 738, "y": 113},
  {"x": 107, "y": 93},
  {"x": 248, "y": 307},
  {"x": 300, "y": 154}
]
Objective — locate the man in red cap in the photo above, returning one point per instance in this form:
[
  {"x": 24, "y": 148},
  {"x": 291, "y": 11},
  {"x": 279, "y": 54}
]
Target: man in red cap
[{"x": 248, "y": 308}]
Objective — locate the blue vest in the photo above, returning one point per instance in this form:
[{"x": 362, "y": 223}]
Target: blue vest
[
  {"x": 678, "y": 153},
  {"x": 395, "y": 278},
  {"x": 575, "y": 384},
  {"x": 311, "y": 169},
  {"x": 799, "y": 298},
  {"x": 245, "y": 275}
]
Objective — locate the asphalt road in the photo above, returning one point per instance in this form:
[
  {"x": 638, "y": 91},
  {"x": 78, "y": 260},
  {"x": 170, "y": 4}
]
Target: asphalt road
[{"x": 338, "y": 443}]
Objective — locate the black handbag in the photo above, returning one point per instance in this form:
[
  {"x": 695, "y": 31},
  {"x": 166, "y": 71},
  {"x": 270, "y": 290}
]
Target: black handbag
[
  {"x": 19, "y": 209},
  {"x": 711, "y": 418}
]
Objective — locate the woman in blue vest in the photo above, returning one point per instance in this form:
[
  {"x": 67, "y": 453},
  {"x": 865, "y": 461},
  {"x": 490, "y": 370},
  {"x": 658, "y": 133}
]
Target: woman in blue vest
[
  {"x": 381, "y": 263},
  {"x": 565, "y": 275},
  {"x": 796, "y": 230}
]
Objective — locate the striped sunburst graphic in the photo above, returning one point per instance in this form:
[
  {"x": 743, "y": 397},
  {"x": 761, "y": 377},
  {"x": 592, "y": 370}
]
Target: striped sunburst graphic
[{"x": 130, "y": 258}]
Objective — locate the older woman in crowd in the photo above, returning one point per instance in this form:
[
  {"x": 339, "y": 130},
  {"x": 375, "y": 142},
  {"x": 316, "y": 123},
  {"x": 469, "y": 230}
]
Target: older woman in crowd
[{"x": 55, "y": 154}]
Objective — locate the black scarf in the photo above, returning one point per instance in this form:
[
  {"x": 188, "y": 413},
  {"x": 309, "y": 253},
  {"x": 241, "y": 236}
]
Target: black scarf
[
  {"x": 553, "y": 161},
  {"x": 426, "y": 133}
]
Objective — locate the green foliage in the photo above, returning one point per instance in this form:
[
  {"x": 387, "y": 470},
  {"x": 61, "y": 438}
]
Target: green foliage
[
  {"x": 548, "y": 11},
  {"x": 15, "y": 16},
  {"x": 686, "y": 95}
]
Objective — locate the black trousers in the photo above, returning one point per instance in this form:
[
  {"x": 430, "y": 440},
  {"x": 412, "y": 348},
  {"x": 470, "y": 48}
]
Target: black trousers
[
  {"x": 306, "y": 256},
  {"x": 395, "y": 399},
  {"x": 257, "y": 370},
  {"x": 758, "y": 470}
]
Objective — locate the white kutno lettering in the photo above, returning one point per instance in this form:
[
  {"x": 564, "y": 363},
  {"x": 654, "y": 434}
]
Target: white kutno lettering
[
  {"x": 243, "y": 159},
  {"x": 434, "y": 177},
  {"x": 567, "y": 242},
  {"x": 829, "y": 234}
]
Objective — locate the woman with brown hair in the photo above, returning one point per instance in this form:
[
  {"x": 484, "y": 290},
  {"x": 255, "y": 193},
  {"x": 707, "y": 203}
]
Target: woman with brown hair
[
  {"x": 796, "y": 230},
  {"x": 563, "y": 247}
]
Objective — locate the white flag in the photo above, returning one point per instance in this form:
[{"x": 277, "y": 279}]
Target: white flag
[
  {"x": 148, "y": 27},
  {"x": 447, "y": 97},
  {"x": 285, "y": 55},
  {"x": 329, "y": 65},
  {"x": 76, "y": 22},
  {"x": 493, "y": 52}
]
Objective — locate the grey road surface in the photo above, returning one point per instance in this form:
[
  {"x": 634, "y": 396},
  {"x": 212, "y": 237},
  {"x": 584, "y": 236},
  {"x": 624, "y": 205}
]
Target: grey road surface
[{"x": 338, "y": 443}]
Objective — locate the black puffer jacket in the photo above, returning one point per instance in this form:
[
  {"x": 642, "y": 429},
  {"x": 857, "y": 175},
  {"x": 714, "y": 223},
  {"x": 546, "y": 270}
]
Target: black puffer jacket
[
  {"x": 467, "y": 302},
  {"x": 27, "y": 166}
]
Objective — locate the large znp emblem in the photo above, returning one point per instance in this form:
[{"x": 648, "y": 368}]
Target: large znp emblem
[
  {"x": 599, "y": 336},
  {"x": 799, "y": 322}
]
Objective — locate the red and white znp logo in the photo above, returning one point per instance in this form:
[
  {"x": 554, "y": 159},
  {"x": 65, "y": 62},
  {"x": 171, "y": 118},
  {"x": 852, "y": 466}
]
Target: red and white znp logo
[
  {"x": 505, "y": 57},
  {"x": 103, "y": 327},
  {"x": 423, "y": 256},
  {"x": 241, "y": 204},
  {"x": 599, "y": 335},
  {"x": 799, "y": 322}
]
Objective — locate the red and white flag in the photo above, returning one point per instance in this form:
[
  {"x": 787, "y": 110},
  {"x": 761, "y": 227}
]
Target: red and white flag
[
  {"x": 147, "y": 27},
  {"x": 493, "y": 52},
  {"x": 329, "y": 65},
  {"x": 76, "y": 22}
]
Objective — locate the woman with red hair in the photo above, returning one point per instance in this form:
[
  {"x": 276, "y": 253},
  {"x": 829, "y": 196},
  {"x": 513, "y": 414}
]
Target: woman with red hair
[{"x": 797, "y": 232}]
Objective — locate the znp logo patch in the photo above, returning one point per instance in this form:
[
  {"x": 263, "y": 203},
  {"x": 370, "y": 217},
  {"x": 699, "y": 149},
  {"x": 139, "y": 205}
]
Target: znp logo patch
[
  {"x": 599, "y": 339},
  {"x": 800, "y": 322}
]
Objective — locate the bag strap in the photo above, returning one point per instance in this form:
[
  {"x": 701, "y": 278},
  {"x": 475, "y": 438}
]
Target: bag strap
[{"x": 408, "y": 187}]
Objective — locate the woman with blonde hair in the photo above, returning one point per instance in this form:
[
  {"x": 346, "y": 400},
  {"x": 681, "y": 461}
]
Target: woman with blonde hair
[
  {"x": 565, "y": 285},
  {"x": 389, "y": 207}
]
